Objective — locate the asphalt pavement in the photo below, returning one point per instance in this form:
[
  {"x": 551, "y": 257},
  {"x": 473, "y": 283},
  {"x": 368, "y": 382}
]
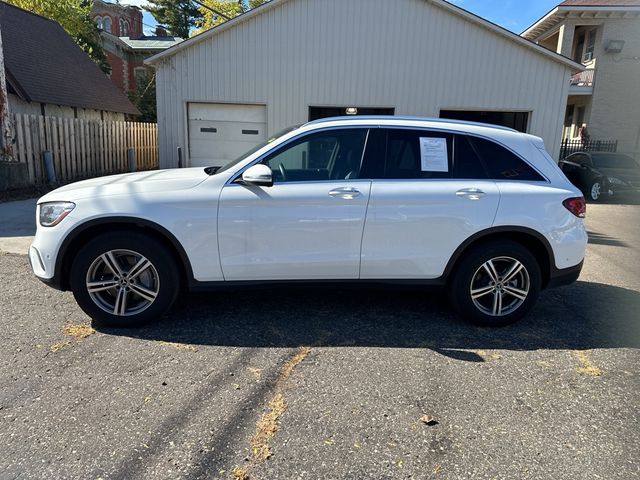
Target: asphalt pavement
[{"x": 329, "y": 383}]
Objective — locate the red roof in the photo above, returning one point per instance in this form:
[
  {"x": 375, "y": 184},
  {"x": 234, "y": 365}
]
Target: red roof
[{"x": 600, "y": 3}]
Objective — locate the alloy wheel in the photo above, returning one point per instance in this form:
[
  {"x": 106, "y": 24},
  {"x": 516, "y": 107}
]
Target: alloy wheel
[
  {"x": 500, "y": 286},
  {"x": 122, "y": 282},
  {"x": 596, "y": 190}
]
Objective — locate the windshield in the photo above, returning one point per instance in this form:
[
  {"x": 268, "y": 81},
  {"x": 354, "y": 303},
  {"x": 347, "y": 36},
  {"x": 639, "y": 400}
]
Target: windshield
[
  {"x": 612, "y": 160},
  {"x": 233, "y": 163}
]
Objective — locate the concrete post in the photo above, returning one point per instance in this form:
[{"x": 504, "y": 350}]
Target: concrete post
[{"x": 131, "y": 159}]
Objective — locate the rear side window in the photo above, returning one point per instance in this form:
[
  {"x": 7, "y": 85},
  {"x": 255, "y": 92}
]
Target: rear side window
[
  {"x": 405, "y": 153},
  {"x": 501, "y": 163},
  {"x": 466, "y": 163}
]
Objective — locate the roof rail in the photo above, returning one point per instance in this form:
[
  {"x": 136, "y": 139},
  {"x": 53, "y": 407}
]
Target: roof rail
[{"x": 357, "y": 118}]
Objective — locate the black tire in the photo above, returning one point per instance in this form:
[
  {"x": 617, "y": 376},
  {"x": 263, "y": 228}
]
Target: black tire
[
  {"x": 145, "y": 297},
  {"x": 503, "y": 254},
  {"x": 596, "y": 190}
]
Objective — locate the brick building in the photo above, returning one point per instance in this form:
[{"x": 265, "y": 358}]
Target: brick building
[{"x": 125, "y": 43}]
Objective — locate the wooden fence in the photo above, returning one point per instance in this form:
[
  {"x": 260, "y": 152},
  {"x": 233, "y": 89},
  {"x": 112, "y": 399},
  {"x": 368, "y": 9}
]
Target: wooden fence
[{"x": 83, "y": 148}]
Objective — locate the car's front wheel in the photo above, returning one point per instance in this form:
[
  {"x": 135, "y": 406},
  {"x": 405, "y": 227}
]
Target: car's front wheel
[
  {"x": 596, "y": 190},
  {"x": 496, "y": 283},
  {"x": 124, "y": 279}
]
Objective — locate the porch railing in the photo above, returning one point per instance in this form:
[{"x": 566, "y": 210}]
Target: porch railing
[{"x": 572, "y": 145}]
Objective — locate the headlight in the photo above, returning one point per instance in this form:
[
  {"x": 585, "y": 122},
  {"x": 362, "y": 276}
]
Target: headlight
[
  {"x": 52, "y": 213},
  {"x": 615, "y": 181}
]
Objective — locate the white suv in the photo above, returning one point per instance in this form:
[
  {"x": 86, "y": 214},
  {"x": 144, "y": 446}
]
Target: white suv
[{"x": 481, "y": 210}]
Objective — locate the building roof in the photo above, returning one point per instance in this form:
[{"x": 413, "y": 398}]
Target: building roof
[
  {"x": 600, "y": 3},
  {"x": 151, "y": 42},
  {"x": 44, "y": 65},
  {"x": 583, "y": 9},
  {"x": 503, "y": 32}
]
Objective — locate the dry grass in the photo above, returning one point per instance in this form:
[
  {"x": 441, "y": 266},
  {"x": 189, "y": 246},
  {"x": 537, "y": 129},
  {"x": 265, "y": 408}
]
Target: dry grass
[
  {"x": 56, "y": 347},
  {"x": 179, "y": 346},
  {"x": 269, "y": 423},
  {"x": 489, "y": 355},
  {"x": 257, "y": 372},
  {"x": 586, "y": 368},
  {"x": 78, "y": 331}
]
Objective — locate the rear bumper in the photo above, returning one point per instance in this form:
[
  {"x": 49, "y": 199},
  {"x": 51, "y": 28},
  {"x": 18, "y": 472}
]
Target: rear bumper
[{"x": 564, "y": 276}]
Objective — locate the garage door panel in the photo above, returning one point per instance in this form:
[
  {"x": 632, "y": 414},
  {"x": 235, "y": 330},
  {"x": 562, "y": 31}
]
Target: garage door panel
[{"x": 219, "y": 133}]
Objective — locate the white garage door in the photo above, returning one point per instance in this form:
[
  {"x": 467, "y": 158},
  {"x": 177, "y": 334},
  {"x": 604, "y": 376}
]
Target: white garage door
[{"x": 219, "y": 133}]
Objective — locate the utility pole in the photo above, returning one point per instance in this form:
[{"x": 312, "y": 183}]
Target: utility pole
[{"x": 6, "y": 125}]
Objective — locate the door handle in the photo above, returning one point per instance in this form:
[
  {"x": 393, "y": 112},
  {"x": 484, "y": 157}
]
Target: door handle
[
  {"x": 347, "y": 193},
  {"x": 471, "y": 193}
]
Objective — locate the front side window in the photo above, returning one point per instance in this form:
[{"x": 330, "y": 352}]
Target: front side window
[{"x": 332, "y": 155}]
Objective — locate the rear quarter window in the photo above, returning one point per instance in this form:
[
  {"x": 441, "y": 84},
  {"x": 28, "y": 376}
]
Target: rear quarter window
[{"x": 502, "y": 164}]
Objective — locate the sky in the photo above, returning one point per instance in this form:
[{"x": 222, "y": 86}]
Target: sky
[{"x": 514, "y": 15}]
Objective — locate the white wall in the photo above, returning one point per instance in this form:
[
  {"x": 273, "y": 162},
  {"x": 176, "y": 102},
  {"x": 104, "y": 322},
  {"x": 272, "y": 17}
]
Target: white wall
[
  {"x": 407, "y": 54},
  {"x": 17, "y": 105}
]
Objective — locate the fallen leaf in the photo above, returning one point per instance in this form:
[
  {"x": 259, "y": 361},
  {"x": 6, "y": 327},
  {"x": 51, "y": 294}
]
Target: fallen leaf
[
  {"x": 328, "y": 441},
  {"x": 428, "y": 420}
]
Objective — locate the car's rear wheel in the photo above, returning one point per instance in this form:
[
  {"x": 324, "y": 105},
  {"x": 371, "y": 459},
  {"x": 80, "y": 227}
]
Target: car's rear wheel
[
  {"x": 124, "y": 279},
  {"x": 496, "y": 283}
]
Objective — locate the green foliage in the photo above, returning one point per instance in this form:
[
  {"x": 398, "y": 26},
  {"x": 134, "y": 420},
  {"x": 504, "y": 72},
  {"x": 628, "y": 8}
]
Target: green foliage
[
  {"x": 144, "y": 98},
  {"x": 228, "y": 8},
  {"x": 75, "y": 17},
  {"x": 177, "y": 15}
]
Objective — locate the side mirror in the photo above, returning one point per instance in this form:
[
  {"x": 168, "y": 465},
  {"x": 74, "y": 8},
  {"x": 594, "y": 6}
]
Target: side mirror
[{"x": 259, "y": 175}]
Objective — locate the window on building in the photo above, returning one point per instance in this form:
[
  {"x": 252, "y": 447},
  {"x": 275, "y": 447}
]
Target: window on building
[
  {"x": 98, "y": 21},
  {"x": 516, "y": 120},
  {"x": 124, "y": 28},
  {"x": 140, "y": 74},
  {"x": 590, "y": 48},
  {"x": 106, "y": 24}
]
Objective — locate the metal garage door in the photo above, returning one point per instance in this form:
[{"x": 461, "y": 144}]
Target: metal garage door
[{"x": 219, "y": 133}]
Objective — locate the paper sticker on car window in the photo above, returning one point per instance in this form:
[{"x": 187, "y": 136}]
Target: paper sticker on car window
[{"x": 433, "y": 154}]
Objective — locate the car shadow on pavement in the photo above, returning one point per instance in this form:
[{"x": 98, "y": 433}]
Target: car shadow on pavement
[
  {"x": 596, "y": 238},
  {"x": 580, "y": 316}
]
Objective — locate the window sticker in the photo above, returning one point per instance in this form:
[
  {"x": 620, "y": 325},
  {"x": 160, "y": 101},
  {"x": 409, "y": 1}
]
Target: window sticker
[{"x": 433, "y": 154}]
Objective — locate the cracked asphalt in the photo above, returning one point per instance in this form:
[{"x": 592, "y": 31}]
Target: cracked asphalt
[{"x": 552, "y": 397}]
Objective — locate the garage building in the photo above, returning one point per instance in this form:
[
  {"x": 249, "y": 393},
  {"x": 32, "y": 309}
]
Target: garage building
[{"x": 291, "y": 61}]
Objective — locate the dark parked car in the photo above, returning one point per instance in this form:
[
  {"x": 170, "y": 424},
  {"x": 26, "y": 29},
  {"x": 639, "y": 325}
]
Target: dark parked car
[{"x": 600, "y": 174}]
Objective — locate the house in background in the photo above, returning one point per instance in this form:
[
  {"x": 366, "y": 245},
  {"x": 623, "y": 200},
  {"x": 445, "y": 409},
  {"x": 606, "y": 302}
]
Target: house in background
[
  {"x": 125, "y": 43},
  {"x": 49, "y": 75},
  {"x": 291, "y": 61},
  {"x": 603, "y": 35}
]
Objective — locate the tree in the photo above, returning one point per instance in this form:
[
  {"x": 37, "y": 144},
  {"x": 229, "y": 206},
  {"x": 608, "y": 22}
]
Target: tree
[
  {"x": 75, "y": 17},
  {"x": 219, "y": 9},
  {"x": 144, "y": 98},
  {"x": 177, "y": 15}
]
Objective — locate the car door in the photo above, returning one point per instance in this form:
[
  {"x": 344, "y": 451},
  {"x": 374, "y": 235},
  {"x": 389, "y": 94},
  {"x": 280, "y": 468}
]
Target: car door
[
  {"x": 308, "y": 225},
  {"x": 425, "y": 201},
  {"x": 575, "y": 168}
]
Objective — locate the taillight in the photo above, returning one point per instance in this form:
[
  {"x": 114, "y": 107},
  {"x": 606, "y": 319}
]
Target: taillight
[{"x": 576, "y": 205}]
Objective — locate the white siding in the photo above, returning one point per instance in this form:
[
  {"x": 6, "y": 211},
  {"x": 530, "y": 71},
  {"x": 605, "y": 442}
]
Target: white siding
[{"x": 407, "y": 54}]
